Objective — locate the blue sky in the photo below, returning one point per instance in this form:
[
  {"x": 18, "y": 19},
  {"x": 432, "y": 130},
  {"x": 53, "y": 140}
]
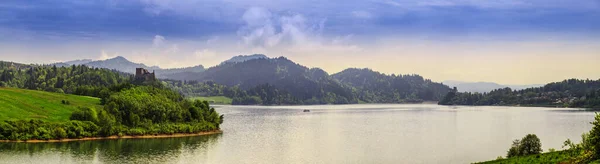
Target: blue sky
[{"x": 173, "y": 33}]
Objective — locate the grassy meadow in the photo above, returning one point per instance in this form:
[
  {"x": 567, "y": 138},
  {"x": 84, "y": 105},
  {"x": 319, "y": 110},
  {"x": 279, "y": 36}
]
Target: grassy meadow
[{"x": 22, "y": 104}]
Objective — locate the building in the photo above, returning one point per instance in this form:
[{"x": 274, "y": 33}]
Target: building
[{"x": 142, "y": 75}]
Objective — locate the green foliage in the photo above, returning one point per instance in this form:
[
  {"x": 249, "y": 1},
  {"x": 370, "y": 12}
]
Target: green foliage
[
  {"x": 79, "y": 80},
  {"x": 594, "y": 137},
  {"x": 42, "y": 130},
  {"x": 85, "y": 114},
  {"x": 530, "y": 144},
  {"x": 568, "y": 93}
]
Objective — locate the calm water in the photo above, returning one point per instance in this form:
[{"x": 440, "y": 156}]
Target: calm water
[{"x": 331, "y": 134}]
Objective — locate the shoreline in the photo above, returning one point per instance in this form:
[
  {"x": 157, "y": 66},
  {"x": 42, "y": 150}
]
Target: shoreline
[{"x": 117, "y": 137}]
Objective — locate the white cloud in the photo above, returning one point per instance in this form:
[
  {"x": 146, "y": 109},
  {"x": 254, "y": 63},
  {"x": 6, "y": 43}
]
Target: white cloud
[
  {"x": 205, "y": 54},
  {"x": 104, "y": 55},
  {"x": 265, "y": 31},
  {"x": 158, "y": 40}
]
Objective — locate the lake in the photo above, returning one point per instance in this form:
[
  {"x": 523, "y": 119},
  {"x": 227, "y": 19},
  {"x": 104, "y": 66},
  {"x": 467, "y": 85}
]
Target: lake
[{"x": 422, "y": 133}]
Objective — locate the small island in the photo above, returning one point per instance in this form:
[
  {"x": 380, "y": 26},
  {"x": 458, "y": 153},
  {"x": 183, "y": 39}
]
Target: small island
[{"x": 103, "y": 104}]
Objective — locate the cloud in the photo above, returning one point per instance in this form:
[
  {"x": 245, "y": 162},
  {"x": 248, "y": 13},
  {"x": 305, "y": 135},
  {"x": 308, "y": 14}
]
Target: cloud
[
  {"x": 158, "y": 40},
  {"x": 290, "y": 34},
  {"x": 104, "y": 55},
  {"x": 265, "y": 29},
  {"x": 205, "y": 54}
]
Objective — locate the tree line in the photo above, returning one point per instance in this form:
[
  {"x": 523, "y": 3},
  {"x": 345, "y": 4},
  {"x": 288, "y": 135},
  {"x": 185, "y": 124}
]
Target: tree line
[
  {"x": 76, "y": 79},
  {"x": 568, "y": 93}
]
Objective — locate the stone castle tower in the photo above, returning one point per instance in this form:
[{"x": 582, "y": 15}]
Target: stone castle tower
[{"x": 142, "y": 75}]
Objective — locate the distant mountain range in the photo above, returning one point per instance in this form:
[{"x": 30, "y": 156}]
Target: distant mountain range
[
  {"x": 314, "y": 84},
  {"x": 120, "y": 63},
  {"x": 482, "y": 87}
]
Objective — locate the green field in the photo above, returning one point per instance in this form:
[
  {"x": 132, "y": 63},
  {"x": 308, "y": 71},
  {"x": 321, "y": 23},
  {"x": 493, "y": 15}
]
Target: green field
[
  {"x": 214, "y": 99},
  {"x": 19, "y": 104}
]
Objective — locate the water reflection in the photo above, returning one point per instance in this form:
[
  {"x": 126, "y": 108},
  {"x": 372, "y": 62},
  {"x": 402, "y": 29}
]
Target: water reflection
[{"x": 163, "y": 150}]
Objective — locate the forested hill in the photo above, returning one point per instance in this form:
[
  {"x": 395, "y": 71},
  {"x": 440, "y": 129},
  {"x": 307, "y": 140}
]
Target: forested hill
[
  {"x": 567, "y": 93},
  {"x": 124, "y": 65},
  {"x": 80, "y": 80},
  {"x": 276, "y": 81},
  {"x": 374, "y": 87}
]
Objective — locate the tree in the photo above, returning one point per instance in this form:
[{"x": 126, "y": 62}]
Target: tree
[
  {"x": 594, "y": 136},
  {"x": 528, "y": 145}
]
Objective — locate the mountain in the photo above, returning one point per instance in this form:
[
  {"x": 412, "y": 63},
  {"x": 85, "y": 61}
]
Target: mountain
[
  {"x": 482, "y": 87},
  {"x": 374, "y": 87},
  {"x": 243, "y": 58},
  {"x": 120, "y": 63},
  {"x": 275, "y": 80},
  {"x": 79, "y": 62}
]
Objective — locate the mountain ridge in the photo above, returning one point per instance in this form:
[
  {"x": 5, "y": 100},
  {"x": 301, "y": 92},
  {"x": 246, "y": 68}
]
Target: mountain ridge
[{"x": 122, "y": 64}]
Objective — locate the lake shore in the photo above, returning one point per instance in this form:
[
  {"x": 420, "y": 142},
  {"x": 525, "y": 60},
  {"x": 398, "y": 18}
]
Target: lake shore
[{"x": 122, "y": 137}]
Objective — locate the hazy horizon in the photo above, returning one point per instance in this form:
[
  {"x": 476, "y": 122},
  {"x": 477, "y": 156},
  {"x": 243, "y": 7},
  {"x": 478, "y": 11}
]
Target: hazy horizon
[{"x": 506, "y": 42}]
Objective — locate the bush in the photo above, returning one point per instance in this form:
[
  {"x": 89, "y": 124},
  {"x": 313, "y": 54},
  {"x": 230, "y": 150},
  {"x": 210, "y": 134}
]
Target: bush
[
  {"x": 85, "y": 114},
  {"x": 528, "y": 145},
  {"x": 60, "y": 133},
  {"x": 66, "y": 102}
]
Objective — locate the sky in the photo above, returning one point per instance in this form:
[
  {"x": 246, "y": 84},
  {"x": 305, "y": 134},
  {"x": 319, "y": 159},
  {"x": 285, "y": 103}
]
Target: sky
[{"x": 503, "y": 41}]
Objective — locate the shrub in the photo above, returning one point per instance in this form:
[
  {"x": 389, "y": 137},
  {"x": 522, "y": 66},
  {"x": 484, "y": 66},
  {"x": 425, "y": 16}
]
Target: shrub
[
  {"x": 85, "y": 114},
  {"x": 60, "y": 133}
]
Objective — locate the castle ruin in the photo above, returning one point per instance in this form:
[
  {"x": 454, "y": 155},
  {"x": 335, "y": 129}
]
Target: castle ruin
[{"x": 142, "y": 75}]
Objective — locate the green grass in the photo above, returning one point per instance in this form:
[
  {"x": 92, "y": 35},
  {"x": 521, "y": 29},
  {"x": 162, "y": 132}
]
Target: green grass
[
  {"x": 564, "y": 156},
  {"x": 214, "y": 99},
  {"x": 19, "y": 104}
]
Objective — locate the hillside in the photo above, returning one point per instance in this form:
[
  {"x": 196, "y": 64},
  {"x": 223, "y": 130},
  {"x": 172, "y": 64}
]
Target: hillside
[
  {"x": 122, "y": 64},
  {"x": 22, "y": 104},
  {"x": 374, "y": 87}
]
